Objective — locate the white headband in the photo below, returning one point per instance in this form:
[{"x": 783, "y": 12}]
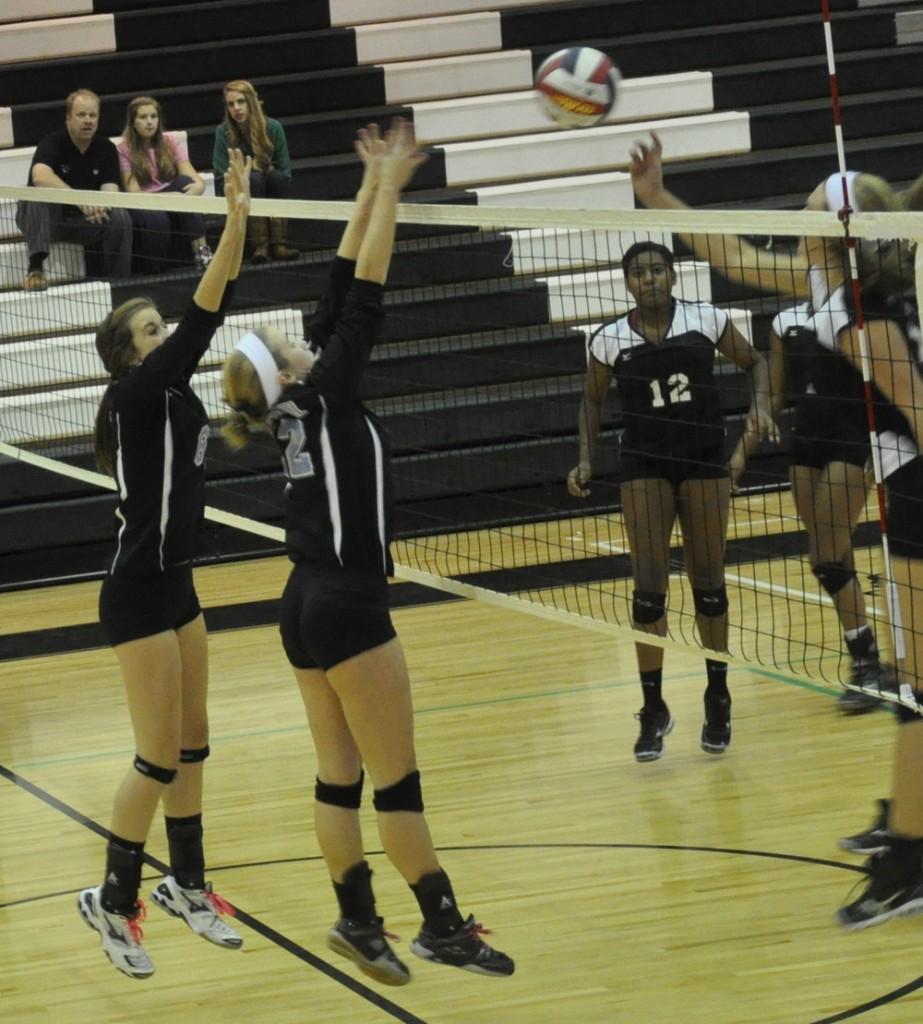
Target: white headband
[
  {"x": 833, "y": 192},
  {"x": 254, "y": 348}
]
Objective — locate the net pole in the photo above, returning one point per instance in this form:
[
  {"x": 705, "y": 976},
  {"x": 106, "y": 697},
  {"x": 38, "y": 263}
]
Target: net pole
[{"x": 852, "y": 269}]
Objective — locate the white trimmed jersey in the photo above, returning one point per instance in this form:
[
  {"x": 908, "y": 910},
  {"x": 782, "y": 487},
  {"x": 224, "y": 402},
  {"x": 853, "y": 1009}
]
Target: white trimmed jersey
[
  {"x": 161, "y": 432},
  {"x": 668, "y": 393},
  {"x": 335, "y": 453}
]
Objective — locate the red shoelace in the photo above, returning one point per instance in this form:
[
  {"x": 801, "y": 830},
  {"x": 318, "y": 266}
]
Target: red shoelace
[
  {"x": 134, "y": 923},
  {"x": 220, "y": 903}
]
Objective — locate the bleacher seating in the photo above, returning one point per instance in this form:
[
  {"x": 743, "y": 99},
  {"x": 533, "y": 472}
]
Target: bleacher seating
[{"x": 747, "y": 83}]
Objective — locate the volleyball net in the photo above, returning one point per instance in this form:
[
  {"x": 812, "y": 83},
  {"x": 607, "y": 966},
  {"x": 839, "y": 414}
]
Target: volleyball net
[{"x": 479, "y": 378}]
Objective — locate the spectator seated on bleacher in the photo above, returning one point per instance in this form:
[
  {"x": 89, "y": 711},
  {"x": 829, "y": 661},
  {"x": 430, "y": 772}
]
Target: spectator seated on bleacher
[
  {"x": 152, "y": 160},
  {"x": 75, "y": 157},
  {"x": 246, "y": 127}
]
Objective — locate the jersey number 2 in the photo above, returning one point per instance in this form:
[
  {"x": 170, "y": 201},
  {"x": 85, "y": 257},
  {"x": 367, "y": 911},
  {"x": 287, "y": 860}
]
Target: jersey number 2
[
  {"x": 677, "y": 391},
  {"x": 297, "y": 461}
]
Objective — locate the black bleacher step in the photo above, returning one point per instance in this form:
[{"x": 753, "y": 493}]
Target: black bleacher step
[
  {"x": 201, "y": 105},
  {"x": 143, "y": 28},
  {"x": 491, "y": 357},
  {"x": 797, "y": 170},
  {"x": 338, "y": 176},
  {"x": 864, "y": 116},
  {"x": 326, "y": 134},
  {"x": 667, "y": 52},
  {"x": 117, "y": 6},
  {"x": 146, "y": 71},
  {"x": 571, "y": 21},
  {"x": 794, "y": 79}
]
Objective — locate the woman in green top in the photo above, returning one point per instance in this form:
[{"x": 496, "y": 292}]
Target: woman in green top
[{"x": 246, "y": 127}]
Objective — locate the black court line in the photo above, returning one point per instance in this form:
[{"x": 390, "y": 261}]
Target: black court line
[{"x": 277, "y": 938}]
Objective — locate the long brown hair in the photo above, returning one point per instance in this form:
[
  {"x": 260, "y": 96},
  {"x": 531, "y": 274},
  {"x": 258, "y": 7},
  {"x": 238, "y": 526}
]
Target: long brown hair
[
  {"x": 115, "y": 348},
  {"x": 254, "y": 138},
  {"x": 138, "y": 147}
]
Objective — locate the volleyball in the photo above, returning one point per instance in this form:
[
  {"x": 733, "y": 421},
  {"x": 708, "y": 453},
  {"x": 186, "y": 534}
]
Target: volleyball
[{"x": 577, "y": 87}]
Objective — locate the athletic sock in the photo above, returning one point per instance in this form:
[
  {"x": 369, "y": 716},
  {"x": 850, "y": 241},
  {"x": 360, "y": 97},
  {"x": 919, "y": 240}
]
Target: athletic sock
[
  {"x": 651, "y": 688},
  {"x": 354, "y": 894},
  {"x": 861, "y": 642},
  {"x": 187, "y": 857},
  {"x": 717, "y": 673},
  {"x": 437, "y": 903},
  {"x": 123, "y": 876}
]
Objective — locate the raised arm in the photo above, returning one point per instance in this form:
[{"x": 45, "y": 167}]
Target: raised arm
[
  {"x": 225, "y": 266},
  {"x": 731, "y": 255}
]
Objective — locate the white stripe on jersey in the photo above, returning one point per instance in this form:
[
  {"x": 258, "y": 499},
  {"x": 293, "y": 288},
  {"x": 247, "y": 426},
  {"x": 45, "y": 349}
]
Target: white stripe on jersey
[
  {"x": 794, "y": 316},
  {"x": 167, "y": 475},
  {"x": 123, "y": 488},
  {"x": 619, "y": 336},
  {"x": 379, "y": 492},
  {"x": 330, "y": 477}
]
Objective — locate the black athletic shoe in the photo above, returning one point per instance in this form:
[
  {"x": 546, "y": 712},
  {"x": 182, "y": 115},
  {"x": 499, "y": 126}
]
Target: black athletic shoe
[
  {"x": 872, "y": 840},
  {"x": 367, "y": 946},
  {"x": 869, "y": 680},
  {"x": 654, "y": 726},
  {"x": 716, "y": 731},
  {"x": 464, "y": 948},
  {"x": 891, "y": 891}
]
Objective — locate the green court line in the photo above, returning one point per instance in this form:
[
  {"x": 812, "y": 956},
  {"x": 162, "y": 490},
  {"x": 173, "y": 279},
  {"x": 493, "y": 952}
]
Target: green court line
[{"x": 516, "y": 698}]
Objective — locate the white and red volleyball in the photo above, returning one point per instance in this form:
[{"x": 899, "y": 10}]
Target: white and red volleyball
[{"x": 577, "y": 87}]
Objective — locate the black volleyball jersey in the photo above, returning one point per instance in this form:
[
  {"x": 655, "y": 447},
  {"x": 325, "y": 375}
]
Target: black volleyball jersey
[
  {"x": 895, "y": 436},
  {"x": 668, "y": 393},
  {"x": 161, "y": 431},
  {"x": 335, "y": 452}
]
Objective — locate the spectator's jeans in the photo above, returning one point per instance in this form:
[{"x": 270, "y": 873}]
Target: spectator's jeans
[
  {"x": 153, "y": 230},
  {"x": 44, "y": 223}
]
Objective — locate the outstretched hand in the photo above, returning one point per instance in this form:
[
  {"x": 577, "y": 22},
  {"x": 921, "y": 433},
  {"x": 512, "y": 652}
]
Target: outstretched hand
[
  {"x": 400, "y": 156},
  {"x": 237, "y": 184},
  {"x": 646, "y": 166},
  {"x": 369, "y": 146}
]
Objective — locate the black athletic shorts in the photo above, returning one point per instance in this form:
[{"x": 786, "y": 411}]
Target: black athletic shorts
[
  {"x": 131, "y": 607},
  {"x": 905, "y": 510},
  {"x": 329, "y": 614},
  {"x": 818, "y": 452},
  {"x": 710, "y": 464}
]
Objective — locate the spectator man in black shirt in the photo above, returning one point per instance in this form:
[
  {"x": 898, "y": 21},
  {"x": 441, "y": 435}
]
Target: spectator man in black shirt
[{"x": 75, "y": 157}]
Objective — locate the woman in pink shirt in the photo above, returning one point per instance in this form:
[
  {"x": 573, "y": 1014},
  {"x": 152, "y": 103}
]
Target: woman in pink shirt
[{"x": 152, "y": 160}]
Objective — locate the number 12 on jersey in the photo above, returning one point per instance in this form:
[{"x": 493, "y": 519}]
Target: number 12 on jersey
[{"x": 677, "y": 391}]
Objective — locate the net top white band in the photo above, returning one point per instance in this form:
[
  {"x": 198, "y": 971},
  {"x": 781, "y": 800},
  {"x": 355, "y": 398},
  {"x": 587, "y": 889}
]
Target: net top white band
[
  {"x": 833, "y": 191},
  {"x": 254, "y": 348}
]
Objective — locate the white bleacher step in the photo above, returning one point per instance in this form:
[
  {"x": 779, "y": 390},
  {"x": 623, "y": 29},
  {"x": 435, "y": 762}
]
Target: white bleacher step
[
  {"x": 59, "y": 310},
  {"x": 347, "y": 13},
  {"x": 70, "y": 360},
  {"x": 608, "y": 191},
  {"x": 446, "y": 77},
  {"x": 388, "y": 41},
  {"x": 54, "y": 38},
  {"x": 30, "y": 10},
  {"x": 601, "y": 295},
  {"x": 559, "y": 250},
  {"x": 65, "y": 262},
  {"x": 519, "y": 113},
  {"x": 6, "y": 127},
  {"x": 49, "y": 415},
  {"x": 524, "y": 157}
]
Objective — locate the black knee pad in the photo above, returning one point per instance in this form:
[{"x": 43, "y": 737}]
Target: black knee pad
[
  {"x": 187, "y": 756},
  {"x": 406, "y": 795},
  {"x": 907, "y": 716},
  {"x": 153, "y": 771},
  {"x": 710, "y": 603},
  {"x": 647, "y": 607},
  {"x": 833, "y": 576},
  {"x": 349, "y": 796}
]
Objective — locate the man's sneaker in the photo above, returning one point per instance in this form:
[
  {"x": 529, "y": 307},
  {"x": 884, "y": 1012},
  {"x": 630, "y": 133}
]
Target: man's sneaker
[
  {"x": 464, "y": 948},
  {"x": 203, "y": 256},
  {"x": 654, "y": 726},
  {"x": 892, "y": 891},
  {"x": 872, "y": 840},
  {"x": 201, "y": 909},
  {"x": 367, "y": 946},
  {"x": 35, "y": 281},
  {"x": 120, "y": 936},
  {"x": 716, "y": 730}
]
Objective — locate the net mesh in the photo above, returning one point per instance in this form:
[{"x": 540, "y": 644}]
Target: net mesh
[{"x": 479, "y": 379}]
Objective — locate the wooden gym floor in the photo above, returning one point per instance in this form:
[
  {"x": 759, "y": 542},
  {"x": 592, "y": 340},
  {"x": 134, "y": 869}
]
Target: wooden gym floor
[{"x": 694, "y": 890}]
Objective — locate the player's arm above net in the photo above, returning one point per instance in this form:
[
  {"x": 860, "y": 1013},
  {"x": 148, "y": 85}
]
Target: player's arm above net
[{"x": 731, "y": 255}]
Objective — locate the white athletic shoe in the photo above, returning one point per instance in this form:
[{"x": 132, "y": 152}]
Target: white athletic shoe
[
  {"x": 120, "y": 936},
  {"x": 201, "y": 909}
]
